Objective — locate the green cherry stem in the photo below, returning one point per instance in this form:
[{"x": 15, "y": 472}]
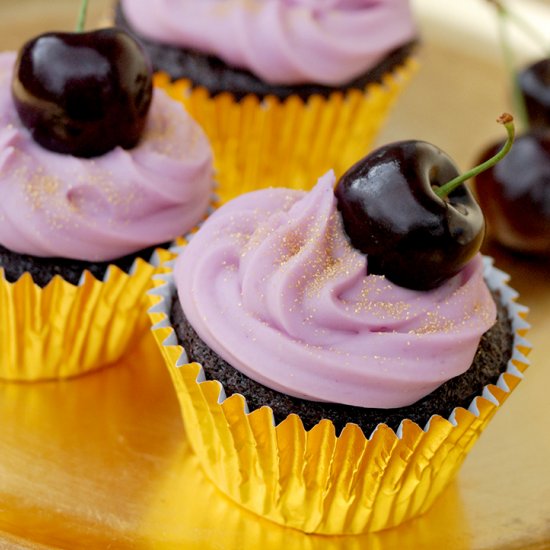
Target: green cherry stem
[
  {"x": 82, "y": 16},
  {"x": 510, "y": 64},
  {"x": 525, "y": 26},
  {"x": 508, "y": 121}
]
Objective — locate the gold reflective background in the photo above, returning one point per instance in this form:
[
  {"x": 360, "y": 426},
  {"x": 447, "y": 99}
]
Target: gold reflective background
[{"x": 102, "y": 461}]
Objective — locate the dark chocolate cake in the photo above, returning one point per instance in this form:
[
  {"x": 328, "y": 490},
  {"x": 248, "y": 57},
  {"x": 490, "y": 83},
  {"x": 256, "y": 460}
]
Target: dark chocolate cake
[
  {"x": 216, "y": 76},
  {"x": 490, "y": 361},
  {"x": 43, "y": 270}
]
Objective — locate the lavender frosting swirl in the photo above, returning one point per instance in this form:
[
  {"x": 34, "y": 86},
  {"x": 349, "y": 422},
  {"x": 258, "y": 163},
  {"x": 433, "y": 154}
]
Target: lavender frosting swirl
[
  {"x": 103, "y": 208},
  {"x": 283, "y": 42},
  {"x": 272, "y": 285}
]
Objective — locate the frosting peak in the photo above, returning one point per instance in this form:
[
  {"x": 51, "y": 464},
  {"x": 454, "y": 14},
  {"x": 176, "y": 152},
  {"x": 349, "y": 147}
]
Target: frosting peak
[
  {"x": 109, "y": 206},
  {"x": 273, "y": 286},
  {"x": 281, "y": 41}
]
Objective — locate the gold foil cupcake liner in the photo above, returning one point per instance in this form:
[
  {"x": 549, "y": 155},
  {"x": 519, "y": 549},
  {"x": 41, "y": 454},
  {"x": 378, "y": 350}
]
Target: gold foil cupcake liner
[
  {"x": 317, "y": 481},
  {"x": 271, "y": 143},
  {"x": 63, "y": 330}
]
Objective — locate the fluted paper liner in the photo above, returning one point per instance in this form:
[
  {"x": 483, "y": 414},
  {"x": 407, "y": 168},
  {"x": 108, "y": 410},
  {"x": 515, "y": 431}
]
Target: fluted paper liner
[
  {"x": 272, "y": 143},
  {"x": 63, "y": 330},
  {"x": 316, "y": 481}
]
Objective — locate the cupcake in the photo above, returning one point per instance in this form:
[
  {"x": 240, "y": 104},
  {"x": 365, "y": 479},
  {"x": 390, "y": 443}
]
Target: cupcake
[
  {"x": 316, "y": 393},
  {"x": 78, "y": 235},
  {"x": 304, "y": 82}
]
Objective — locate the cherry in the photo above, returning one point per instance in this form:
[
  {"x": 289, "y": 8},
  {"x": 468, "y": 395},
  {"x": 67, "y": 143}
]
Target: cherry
[
  {"x": 515, "y": 194},
  {"x": 405, "y": 208},
  {"x": 534, "y": 83},
  {"x": 531, "y": 86},
  {"x": 83, "y": 93}
]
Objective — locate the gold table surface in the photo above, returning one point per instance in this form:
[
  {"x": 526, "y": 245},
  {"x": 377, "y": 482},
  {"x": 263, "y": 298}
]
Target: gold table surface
[{"x": 102, "y": 461}]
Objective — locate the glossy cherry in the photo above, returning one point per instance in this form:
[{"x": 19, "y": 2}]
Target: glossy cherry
[
  {"x": 515, "y": 194},
  {"x": 83, "y": 94},
  {"x": 392, "y": 213},
  {"x": 534, "y": 84}
]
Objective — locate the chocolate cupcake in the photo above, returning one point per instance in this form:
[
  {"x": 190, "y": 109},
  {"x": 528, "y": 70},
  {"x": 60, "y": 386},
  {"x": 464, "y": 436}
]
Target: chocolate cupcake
[
  {"x": 78, "y": 236},
  {"x": 490, "y": 361},
  {"x": 305, "y": 83},
  {"x": 328, "y": 399}
]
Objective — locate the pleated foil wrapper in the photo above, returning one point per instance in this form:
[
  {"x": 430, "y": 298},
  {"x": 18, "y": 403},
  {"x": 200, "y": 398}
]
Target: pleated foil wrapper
[
  {"x": 270, "y": 142},
  {"x": 64, "y": 330},
  {"x": 317, "y": 481}
]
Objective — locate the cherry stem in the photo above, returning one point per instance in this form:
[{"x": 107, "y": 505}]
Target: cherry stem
[
  {"x": 529, "y": 30},
  {"x": 509, "y": 61},
  {"x": 82, "y": 16},
  {"x": 508, "y": 121}
]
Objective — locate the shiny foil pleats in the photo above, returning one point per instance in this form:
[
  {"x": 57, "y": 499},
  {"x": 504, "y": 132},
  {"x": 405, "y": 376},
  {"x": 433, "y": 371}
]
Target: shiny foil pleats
[
  {"x": 63, "y": 330},
  {"x": 269, "y": 142},
  {"x": 318, "y": 481}
]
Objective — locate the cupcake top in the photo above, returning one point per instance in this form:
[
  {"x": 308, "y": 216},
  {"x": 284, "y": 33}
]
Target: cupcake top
[
  {"x": 103, "y": 208},
  {"x": 272, "y": 285},
  {"x": 284, "y": 42}
]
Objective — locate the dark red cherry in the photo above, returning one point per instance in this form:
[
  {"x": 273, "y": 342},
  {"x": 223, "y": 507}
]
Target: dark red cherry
[
  {"x": 534, "y": 83},
  {"x": 83, "y": 94},
  {"x": 515, "y": 194},
  {"x": 392, "y": 214}
]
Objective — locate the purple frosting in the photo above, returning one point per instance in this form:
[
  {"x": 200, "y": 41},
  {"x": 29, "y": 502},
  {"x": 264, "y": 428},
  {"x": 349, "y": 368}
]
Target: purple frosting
[
  {"x": 281, "y": 41},
  {"x": 98, "y": 209},
  {"x": 272, "y": 285}
]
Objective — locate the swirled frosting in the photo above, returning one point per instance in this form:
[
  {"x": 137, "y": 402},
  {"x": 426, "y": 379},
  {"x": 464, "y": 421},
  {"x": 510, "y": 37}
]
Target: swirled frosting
[
  {"x": 98, "y": 209},
  {"x": 272, "y": 285},
  {"x": 281, "y": 41}
]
